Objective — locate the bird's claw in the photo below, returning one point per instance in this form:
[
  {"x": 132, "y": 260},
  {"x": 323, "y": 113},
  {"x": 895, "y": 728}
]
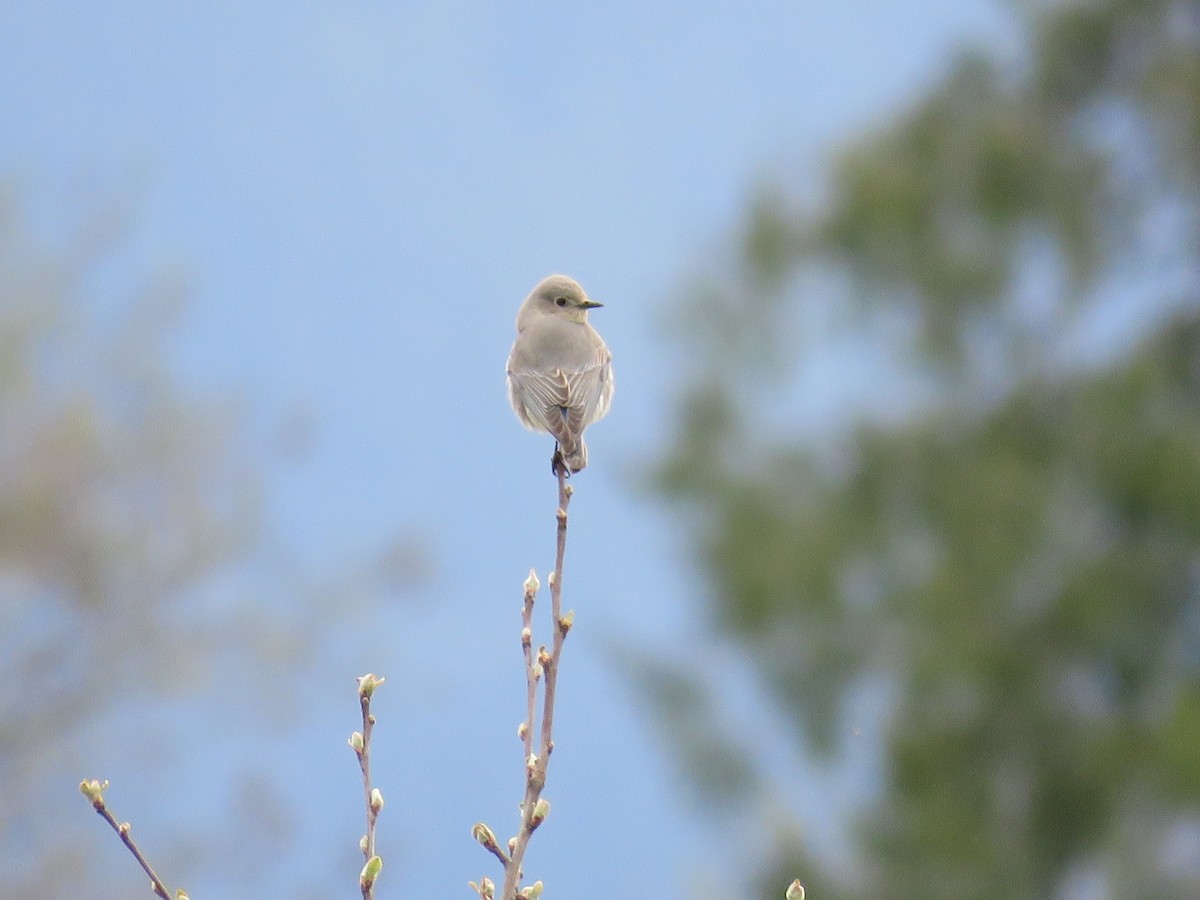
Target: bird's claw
[{"x": 557, "y": 461}]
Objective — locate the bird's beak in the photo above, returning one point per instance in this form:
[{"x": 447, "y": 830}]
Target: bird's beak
[{"x": 590, "y": 304}]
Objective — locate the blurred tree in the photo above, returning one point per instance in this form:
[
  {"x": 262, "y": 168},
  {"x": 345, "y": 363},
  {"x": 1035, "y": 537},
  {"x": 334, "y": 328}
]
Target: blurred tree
[
  {"x": 136, "y": 570},
  {"x": 1001, "y": 526},
  {"x": 120, "y": 496}
]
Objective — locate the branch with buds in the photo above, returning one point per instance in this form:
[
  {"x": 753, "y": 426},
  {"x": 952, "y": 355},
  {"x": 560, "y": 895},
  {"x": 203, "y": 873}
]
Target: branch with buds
[
  {"x": 360, "y": 743},
  {"x": 540, "y": 667},
  {"x": 94, "y": 791}
]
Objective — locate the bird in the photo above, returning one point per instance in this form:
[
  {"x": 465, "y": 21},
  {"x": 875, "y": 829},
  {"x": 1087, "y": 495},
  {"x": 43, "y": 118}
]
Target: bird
[{"x": 560, "y": 377}]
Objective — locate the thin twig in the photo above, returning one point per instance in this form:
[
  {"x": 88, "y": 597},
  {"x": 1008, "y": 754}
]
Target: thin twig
[
  {"x": 360, "y": 742},
  {"x": 560, "y": 626},
  {"x": 531, "y": 681},
  {"x": 94, "y": 791},
  {"x": 533, "y": 808}
]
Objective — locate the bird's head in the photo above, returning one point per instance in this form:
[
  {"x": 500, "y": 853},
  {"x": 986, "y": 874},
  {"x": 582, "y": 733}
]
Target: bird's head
[{"x": 557, "y": 295}]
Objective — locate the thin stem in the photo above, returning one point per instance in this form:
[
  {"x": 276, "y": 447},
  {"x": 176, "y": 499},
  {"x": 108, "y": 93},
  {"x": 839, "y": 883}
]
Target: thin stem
[
  {"x": 564, "y": 499},
  {"x": 122, "y": 830},
  {"x": 364, "y": 763},
  {"x": 536, "y": 767},
  {"x": 530, "y": 678},
  {"x": 362, "y": 748}
]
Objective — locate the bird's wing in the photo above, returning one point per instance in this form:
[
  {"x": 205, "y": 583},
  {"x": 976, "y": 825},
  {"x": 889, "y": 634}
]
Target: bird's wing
[
  {"x": 564, "y": 403},
  {"x": 544, "y": 396},
  {"x": 590, "y": 390}
]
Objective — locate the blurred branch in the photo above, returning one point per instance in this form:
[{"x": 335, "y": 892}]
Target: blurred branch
[
  {"x": 542, "y": 666},
  {"x": 360, "y": 743},
  {"x": 94, "y": 791}
]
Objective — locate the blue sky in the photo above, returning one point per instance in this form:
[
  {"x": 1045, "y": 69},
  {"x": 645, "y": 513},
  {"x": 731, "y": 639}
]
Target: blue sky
[{"x": 357, "y": 196}]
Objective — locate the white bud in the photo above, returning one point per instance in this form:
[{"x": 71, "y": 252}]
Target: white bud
[{"x": 532, "y": 584}]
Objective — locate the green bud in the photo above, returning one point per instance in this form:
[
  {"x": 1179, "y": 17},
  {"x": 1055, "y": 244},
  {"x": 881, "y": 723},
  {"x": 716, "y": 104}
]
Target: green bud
[
  {"x": 376, "y": 800},
  {"x": 485, "y": 835},
  {"x": 370, "y": 872},
  {"x": 356, "y": 742},
  {"x": 367, "y": 684},
  {"x": 93, "y": 789},
  {"x": 795, "y": 891}
]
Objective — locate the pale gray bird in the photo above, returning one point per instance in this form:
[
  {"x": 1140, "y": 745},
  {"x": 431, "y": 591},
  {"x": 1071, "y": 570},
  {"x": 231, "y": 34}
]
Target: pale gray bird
[{"x": 559, "y": 372}]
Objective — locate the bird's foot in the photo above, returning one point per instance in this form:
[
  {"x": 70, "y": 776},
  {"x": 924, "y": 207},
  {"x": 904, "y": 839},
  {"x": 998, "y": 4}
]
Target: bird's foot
[{"x": 558, "y": 462}]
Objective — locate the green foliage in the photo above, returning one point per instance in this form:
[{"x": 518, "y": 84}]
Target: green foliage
[{"x": 1018, "y": 557}]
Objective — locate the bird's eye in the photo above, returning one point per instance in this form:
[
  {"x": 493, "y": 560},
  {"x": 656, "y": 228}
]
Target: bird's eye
[{"x": 560, "y": 301}]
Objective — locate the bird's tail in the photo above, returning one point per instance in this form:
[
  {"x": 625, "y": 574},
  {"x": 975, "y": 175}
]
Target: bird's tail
[{"x": 575, "y": 457}]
